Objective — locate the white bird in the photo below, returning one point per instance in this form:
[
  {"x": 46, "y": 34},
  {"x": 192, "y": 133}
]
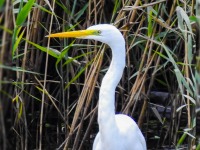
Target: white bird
[{"x": 116, "y": 132}]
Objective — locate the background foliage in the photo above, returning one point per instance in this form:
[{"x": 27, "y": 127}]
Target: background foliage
[{"x": 49, "y": 88}]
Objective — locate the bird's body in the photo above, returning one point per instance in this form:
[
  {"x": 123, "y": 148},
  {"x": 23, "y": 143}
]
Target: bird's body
[
  {"x": 116, "y": 132},
  {"x": 125, "y": 136}
]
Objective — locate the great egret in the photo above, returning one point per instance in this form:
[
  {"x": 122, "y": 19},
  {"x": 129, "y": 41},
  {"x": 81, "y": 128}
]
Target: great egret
[{"x": 116, "y": 132}]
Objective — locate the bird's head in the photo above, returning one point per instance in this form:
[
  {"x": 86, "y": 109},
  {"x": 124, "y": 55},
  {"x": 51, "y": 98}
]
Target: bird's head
[{"x": 104, "y": 33}]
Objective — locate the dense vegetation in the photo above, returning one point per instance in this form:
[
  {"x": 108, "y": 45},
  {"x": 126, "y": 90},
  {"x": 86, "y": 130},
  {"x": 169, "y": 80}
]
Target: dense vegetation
[{"x": 49, "y": 87}]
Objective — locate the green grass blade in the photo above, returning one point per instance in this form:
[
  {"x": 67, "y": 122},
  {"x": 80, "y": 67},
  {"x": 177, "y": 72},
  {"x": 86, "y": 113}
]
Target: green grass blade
[
  {"x": 77, "y": 57},
  {"x": 81, "y": 12},
  {"x": 20, "y": 83},
  {"x": 21, "y": 17},
  {"x": 181, "y": 140},
  {"x": 1, "y": 3},
  {"x": 63, "y": 54},
  {"x": 73, "y": 8},
  {"x": 67, "y": 11},
  {"x": 44, "y": 9},
  {"x": 182, "y": 16},
  {"x": 20, "y": 106},
  {"x": 18, "y": 69},
  {"x": 198, "y": 147},
  {"x": 181, "y": 81},
  {"x": 79, "y": 73},
  {"x": 116, "y": 7},
  {"x": 53, "y": 52},
  {"x": 17, "y": 42},
  {"x": 150, "y": 26}
]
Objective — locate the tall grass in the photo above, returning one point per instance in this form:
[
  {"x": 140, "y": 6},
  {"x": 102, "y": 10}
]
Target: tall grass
[{"x": 49, "y": 88}]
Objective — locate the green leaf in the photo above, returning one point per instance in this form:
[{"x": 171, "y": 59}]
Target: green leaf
[
  {"x": 190, "y": 49},
  {"x": 80, "y": 13},
  {"x": 6, "y": 29},
  {"x": 150, "y": 26},
  {"x": 198, "y": 147},
  {"x": 53, "y": 52},
  {"x": 21, "y": 17},
  {"x": 193, "y": 18},
  {"x": 62, "y": 5},
  {"x": 20, "y": 110},
  {"x": 182, "y": 16},
  {"x": 18, "y": 69},
  {"x": 115, "y": 9},
  {"x": 181, "y": 140},
  {"x": 162, "y": 55},
  {"x": 63, "y": 54},
  {"x": 17, "y": 42},
  {"x": 181, "y": 81},
  {"x": 19, "y": 83},
  {"x": 79, "y": 73},
  {"x": 69, "y": 60},
  {"x": 44, "y": 9},
  {"x": 1, "y": 3}
]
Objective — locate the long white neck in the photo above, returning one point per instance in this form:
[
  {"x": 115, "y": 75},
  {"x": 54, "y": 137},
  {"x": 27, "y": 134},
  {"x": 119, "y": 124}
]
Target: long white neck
[{"x": 106, "y": 109}]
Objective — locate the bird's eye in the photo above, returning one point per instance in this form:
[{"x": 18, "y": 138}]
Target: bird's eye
[{"x": 99, "y": 31}]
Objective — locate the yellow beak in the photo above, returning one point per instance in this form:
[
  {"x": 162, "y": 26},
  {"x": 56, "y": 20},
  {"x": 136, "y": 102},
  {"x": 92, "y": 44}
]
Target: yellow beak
[{"x": 79, "y": 33}]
